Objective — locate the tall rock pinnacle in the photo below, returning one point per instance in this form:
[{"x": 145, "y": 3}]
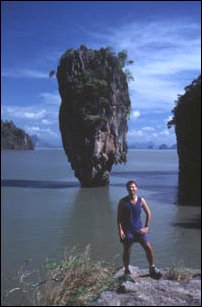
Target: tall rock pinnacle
[
  {"x": 93, "y": 114},
  {"x": 187, "y": 122}
]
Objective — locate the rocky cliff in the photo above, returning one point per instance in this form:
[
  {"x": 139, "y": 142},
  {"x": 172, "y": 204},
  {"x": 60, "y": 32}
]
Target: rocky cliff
[
  {"x": 93, "y": 113},
  {"x": 14, "y": 138},
  {"x": 139, "y": 289},
  {"x": 187, "y": 122}
]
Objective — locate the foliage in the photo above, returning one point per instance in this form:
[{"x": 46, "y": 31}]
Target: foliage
[
  {"x": 179, "y": 273},
  {"x": 123, "y": 58},
  {"x": 74, "y": 281},
  {"x": 91, "y": 83},
  {"x": 188, "y": 102},
  {"x": 123, "y": 61},
  {"x": 128, "y": 75},
  {"x": 51, "y": 73}
]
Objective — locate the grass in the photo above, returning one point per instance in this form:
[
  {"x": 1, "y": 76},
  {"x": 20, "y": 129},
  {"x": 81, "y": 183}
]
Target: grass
[
  {"x": 179, "y": 272},
  {"x": 75, "y": 281}
]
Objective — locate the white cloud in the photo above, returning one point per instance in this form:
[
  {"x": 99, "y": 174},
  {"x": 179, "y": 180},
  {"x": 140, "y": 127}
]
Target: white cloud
[
  {"x": 147, "y": 128},
  {"x": 51, "y": 98},
  {"x": 41, "y": 132},
  {"x": 27, "y": 113},
  {"x": 45, "y": 122},
  {"x": 133, "y": 133},
  {"x": 166, "y": 55},
  {"x": 153, "y": 93},
  {"x": 164, "y": 132},
  {"x": 35, "y": 120},
  {"x": 43, "y": 114},
  {"x": 135, "y": 114},
  {"x": 24, "y": 73},
  {"x": 149, "y": 134}
]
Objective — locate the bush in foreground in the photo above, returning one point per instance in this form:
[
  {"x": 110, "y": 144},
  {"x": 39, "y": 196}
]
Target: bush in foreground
[{"x": 75, "y": 281}]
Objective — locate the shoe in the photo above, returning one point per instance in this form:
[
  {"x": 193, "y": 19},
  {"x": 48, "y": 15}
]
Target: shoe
[
  {"x": 127, "y": 272},
  {"x": 154, "y": 272}
]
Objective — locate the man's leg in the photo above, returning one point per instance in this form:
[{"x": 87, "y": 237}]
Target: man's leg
[
  {"x": 149, "y": 253},
  {"x": 153, "y": 271},
  {"x": 126, "y": 256}
]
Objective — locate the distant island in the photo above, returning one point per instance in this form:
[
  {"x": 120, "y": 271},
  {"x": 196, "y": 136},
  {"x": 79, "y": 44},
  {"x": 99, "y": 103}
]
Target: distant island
[
  {"x": 151, "y": 145},
  {"x": 14, "y": 138}
]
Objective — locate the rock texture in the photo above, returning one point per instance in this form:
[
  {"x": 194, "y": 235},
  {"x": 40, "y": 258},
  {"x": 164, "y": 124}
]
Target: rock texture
[
  {"x": 187, "y": 121},
  {"x": 14, "y": 138},
  {"x": 93, "y": 113},
  {"x": 142, "y": 290}
]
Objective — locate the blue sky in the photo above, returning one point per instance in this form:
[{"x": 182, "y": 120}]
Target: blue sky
[{"x": 162, "y": 38}]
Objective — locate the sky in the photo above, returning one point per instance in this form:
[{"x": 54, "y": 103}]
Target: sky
[{"x": 162, "y": 38}]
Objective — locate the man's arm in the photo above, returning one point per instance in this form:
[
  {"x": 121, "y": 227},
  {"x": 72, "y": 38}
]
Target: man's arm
[
  {"x": 120, "y": 219},
  {"x": 148, "y": 216}
]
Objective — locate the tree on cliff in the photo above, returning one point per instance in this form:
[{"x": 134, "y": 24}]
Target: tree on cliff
[
  {"x": 122, "y": 58},
  {"x": 187, "y": 122}
]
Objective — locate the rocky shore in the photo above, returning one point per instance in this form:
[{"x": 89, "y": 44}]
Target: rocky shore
[{"x": 139, "y": 289}]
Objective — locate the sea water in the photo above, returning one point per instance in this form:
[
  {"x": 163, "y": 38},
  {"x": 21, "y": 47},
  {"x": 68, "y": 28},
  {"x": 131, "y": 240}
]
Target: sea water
[{"x": 45, "y": 211}]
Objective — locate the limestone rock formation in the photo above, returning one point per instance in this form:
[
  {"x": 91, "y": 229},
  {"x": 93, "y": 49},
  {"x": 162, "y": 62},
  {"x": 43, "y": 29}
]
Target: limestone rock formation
[
  {"x": 187, "y": 122},
  {"x": 93, "y": 114},
  {"x": 14, "y": 138},
  {"x": 139, "y": 289}
]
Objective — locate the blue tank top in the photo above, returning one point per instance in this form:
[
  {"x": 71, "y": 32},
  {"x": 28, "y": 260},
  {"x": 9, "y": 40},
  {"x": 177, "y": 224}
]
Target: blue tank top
[{"x": 132, "y": 217}]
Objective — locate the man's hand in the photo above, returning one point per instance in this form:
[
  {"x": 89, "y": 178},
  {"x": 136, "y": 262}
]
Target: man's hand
[
  {"x": 144, "y": 230},
  {"x": 122, "y": 234}
]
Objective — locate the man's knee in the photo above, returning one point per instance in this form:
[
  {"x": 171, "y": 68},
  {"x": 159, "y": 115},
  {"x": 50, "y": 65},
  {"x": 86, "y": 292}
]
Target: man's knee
[
  {"x": 127, "y": 249},
  {"x": 147, "y": 246}
]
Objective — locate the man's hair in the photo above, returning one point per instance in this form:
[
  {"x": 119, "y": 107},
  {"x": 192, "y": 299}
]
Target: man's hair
[{"x": 129, "y": 183}]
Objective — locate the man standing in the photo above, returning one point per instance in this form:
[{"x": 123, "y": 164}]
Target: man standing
[{"x": 131, "y": 229}]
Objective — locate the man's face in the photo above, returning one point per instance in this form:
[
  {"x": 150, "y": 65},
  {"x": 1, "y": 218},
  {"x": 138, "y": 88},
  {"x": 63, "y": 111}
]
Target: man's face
[{"x": 132, "y": 189}]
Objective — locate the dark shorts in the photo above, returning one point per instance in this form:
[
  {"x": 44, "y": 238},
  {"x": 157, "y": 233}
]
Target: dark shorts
[{"x": 135, "y": 238}]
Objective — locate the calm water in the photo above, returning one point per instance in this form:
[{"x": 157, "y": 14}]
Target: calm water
[{"x": 44, "y": 210}]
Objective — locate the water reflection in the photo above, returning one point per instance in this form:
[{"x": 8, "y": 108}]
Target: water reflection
[
  {"x": 189, "y": 187},
  {"x": 38, "y": 184},
  {"x": 187, "y": 242},
  {"x": 92, "y": 221},
  {"x": 191, "y": 223}
]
